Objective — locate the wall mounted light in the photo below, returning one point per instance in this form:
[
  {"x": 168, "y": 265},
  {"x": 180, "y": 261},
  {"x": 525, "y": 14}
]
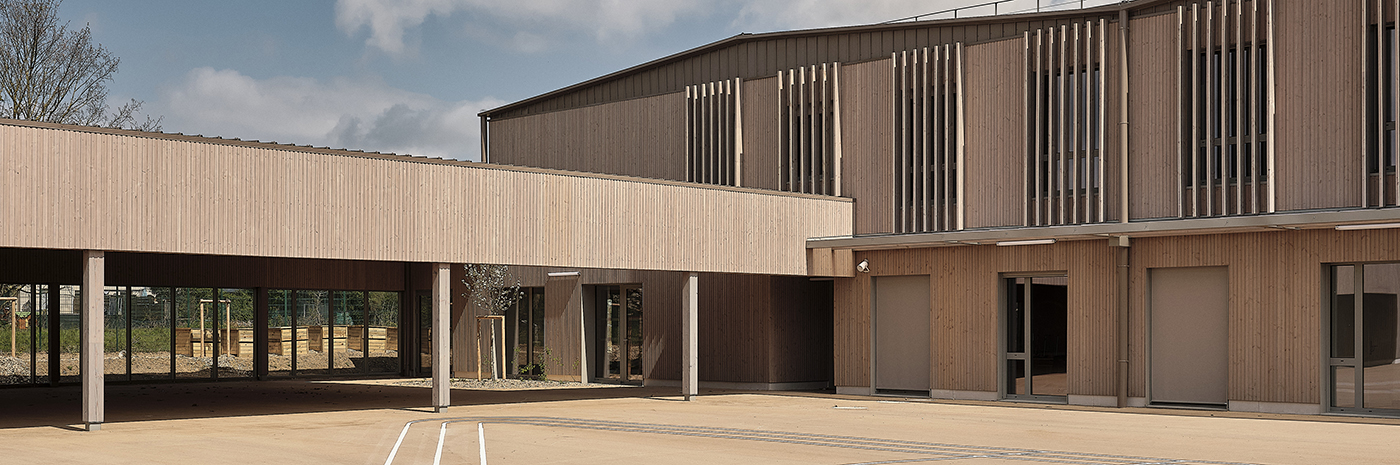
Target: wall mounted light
[
  {"x": 863, "y": 266},
  {"x": 560, "y": 274},
  {"x": 1355, "y": 227},
  {"x": 1026, "y": 242}
]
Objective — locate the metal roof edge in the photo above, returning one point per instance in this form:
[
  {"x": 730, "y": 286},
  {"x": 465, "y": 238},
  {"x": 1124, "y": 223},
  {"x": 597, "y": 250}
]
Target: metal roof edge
[{"x": 749, "y": 37}]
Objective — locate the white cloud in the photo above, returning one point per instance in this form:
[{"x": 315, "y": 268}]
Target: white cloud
[
  {"x": 359, "y": 114},
  {"x": 533, "y": 25},
  {"x": 389, "y": 20}
]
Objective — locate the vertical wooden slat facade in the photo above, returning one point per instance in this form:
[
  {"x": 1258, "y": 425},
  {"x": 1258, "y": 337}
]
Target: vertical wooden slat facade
[
  {"x": 1275, "y": 306},
  {"x": 808, "y": 136},
  {"x": 200, "y": 196},
  {"x": 927, "y": 139},
  {"x": 1068, "y": 146},
  {"x": 966, "y": 309},
  {"x": 713, "y": 133},
  {"x": 1225, "y": 123}
]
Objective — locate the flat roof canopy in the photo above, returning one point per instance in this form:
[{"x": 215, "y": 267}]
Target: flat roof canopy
[{"x": 70, "y": 187}]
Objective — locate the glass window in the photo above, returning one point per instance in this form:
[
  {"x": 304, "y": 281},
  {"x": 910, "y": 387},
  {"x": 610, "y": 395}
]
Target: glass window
[
  {"x": 1365, "y": 338},
  {"x": 150, "y": 333}
]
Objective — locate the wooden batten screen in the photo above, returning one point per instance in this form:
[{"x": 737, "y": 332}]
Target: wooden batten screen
[
  {"x": 809, "y": 129},
  {"x": 928, "y": 139},
  {"x": 1227, "y": 109},
  {"x": 1380, "y": 186},
  {"x": 714, "y": 133},
  {"x": 1064, "y": 90}
]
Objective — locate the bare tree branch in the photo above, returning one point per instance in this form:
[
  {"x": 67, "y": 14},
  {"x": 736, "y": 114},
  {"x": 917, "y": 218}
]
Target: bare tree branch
[{"x": 52, "y": 74}]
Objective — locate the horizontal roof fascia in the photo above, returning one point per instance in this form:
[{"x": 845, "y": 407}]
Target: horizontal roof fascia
[
  {"x": 404, "y": 158},
  {"x": 1151, "y": 228}
]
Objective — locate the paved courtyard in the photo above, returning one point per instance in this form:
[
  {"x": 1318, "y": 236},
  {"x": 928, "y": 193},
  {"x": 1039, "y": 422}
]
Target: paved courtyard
[{"x": 338, "y": 422}]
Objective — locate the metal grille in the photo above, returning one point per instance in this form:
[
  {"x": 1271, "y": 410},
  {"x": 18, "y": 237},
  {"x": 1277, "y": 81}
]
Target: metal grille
[{"x": 928, "y": 139}]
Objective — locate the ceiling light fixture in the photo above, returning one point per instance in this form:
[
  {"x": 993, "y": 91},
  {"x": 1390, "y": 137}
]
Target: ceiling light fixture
[
  {"x": 1026, "y": 242},
  {"x": 1355, "y": 227}
]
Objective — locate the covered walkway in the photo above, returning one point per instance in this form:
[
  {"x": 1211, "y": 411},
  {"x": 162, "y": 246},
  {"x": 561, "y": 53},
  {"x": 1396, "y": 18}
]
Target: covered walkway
[{"x": 94, "y": 192}]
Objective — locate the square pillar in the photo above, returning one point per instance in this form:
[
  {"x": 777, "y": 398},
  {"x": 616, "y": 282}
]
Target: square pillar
[
  {"x": 90, "y": 354},
  {"x": 442, "y": 336},
  {"x": 690, "y": 300}
]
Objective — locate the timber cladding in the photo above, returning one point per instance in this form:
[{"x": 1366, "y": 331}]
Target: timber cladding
[
  {"x": 1155, "y": 129},
  {"x": 1275, "y": 307},
  {"x": 866, "y": 135},
  {"x": 643, "y": 137},
  {"x": 1275, "y": 301},
  {"x": 84, "y": 188},
  {"x": 996, "y": 144},
  {"x": 965, "y": 296}
]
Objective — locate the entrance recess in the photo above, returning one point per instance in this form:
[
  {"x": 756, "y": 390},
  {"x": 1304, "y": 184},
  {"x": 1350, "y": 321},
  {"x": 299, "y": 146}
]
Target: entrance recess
[
  {"x": 620, "y": 324},
  {"x": 1036, "y": 319},
  {"x": 902, "y": 334},
  {"x": 1189, "y": 319}
]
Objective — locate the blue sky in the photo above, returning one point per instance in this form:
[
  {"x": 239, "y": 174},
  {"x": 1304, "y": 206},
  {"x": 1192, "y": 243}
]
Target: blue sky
[{"x": 408, "y": 76}]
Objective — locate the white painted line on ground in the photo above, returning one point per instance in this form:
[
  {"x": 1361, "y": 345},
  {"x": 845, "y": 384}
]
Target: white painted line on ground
[
  {"x": 395, "y": 450},
  {"x": 442, "y": 433},
  {"x": 480, "y": 439}
]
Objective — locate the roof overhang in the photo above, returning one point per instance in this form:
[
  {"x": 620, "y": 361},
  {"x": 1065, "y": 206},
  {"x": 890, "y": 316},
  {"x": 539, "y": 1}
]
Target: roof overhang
[{"x": 1151, "y": 228}]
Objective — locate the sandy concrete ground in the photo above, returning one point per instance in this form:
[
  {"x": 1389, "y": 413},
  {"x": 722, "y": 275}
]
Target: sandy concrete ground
[{"x": 336, "y": 422}]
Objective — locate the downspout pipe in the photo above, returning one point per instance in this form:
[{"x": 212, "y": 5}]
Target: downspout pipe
[
  {"x": 1123, "y": 266},
  {"x": 1122, "y": 270}
]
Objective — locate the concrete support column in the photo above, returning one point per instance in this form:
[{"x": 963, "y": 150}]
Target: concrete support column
[
  {"x": 690, "y": 300},
  {"x": 442, "y": 336},
  {"x": 90, "y": 354}
]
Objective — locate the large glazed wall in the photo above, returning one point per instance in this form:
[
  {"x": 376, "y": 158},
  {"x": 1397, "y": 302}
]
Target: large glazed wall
[
  {"x": 642, "y": 137},
  {"x": 84, "y": 188}
]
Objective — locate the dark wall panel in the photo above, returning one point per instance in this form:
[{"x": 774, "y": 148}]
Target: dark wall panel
[
  {"x": 801, "y": 339},
  {"x": 641, "y": 137}
]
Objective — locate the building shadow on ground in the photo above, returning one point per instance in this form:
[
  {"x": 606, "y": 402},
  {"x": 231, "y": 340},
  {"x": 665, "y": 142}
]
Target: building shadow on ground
[{"x": 61, "y": 406}]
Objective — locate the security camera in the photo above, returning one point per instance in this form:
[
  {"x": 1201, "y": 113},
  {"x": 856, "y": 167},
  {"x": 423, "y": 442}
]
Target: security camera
[{"x": 863, "y": 266}]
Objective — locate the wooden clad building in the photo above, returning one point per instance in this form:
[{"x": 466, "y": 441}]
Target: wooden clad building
[{"x": 1160, "y": 202}]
